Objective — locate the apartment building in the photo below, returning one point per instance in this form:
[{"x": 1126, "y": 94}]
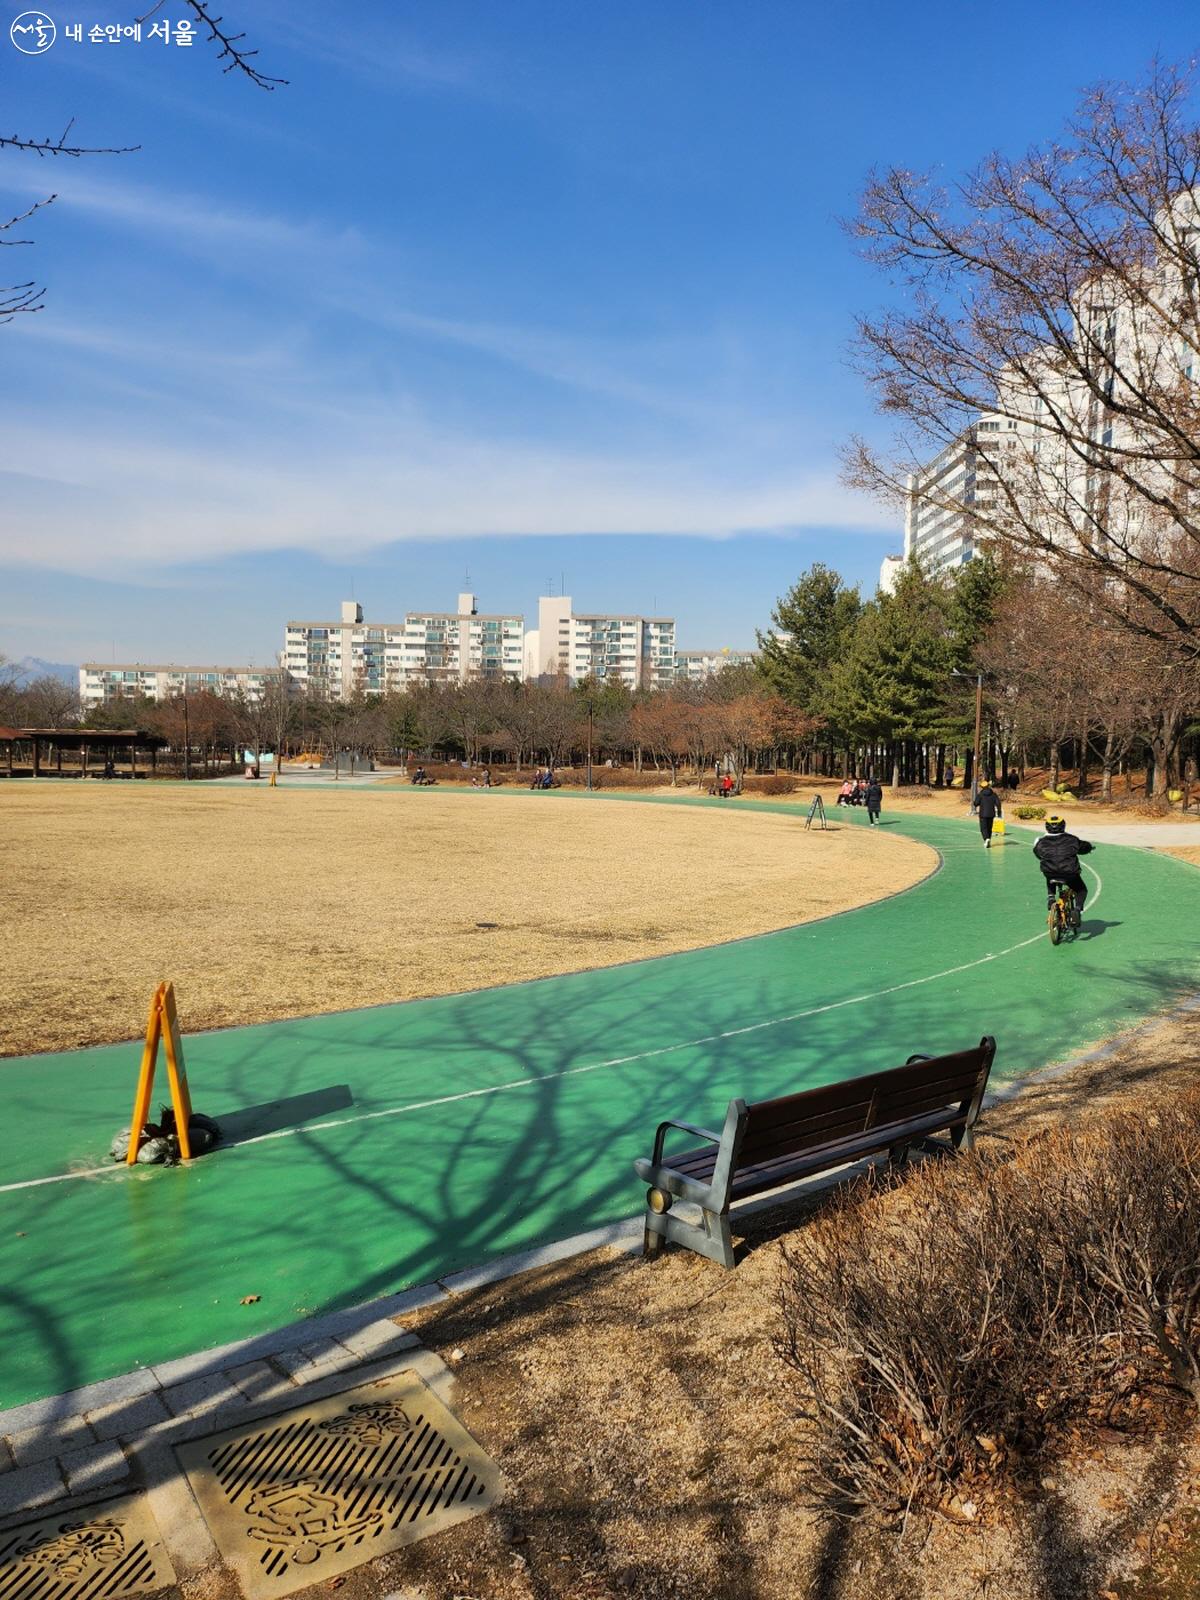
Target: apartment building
[
  {"x": 1074, "y": 448},
  {"x": 100, "y": 682},
  {"x": 694, "y": 666},
  {"x": 634, "y": 650},
  {"x": 890, "y": 569},
  {"x": 343, "y": 656}
]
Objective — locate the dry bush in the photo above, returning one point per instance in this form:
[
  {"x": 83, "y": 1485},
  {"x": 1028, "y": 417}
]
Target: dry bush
[
  {"x": 946, "y": 1321},
  {"x": 769, "y": 783},
  {"x": 613, "y": 778}
]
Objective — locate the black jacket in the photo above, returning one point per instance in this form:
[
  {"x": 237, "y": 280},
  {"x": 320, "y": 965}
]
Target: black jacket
[
  {"x": 987, "y": 803},
  {"x": 1060, "y": 852},
  {"x": 874, "y": 796}
]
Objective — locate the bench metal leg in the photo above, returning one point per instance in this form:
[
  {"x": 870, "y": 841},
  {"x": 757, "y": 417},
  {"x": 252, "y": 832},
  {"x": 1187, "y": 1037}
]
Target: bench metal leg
[{"x": 711, "y": 1238}]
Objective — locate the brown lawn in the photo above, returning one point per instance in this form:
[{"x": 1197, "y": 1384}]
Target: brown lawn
[{"x": 265, "y": 903}]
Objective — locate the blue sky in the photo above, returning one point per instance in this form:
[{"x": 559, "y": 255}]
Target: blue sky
[{"x": 536, "y": 289}]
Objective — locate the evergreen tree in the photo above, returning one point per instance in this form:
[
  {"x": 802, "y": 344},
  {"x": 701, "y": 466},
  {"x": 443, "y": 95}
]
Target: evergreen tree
[
  {"x": 812, "y": 626},
  {"x": 891, "y": 684}
]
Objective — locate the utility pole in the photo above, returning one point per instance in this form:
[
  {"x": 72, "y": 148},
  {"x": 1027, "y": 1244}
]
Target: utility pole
[
  {"x": 187, "y": 741},
  {"x": 590, "y": 708},
  {"x": 978, "y": 726}
]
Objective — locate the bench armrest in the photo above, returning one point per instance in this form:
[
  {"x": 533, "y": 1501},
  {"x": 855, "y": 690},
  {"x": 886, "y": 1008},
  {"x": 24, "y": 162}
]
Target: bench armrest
[
  {"x": 912, "y": 1060},
  {"x": 660, "y": 1137}
]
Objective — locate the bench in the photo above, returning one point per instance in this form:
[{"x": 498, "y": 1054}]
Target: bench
[{"x": 774, "y": 1142}]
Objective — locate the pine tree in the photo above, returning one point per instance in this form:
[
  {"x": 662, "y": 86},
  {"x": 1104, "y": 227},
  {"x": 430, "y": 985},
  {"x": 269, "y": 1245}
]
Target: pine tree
[{"x": 811, "y": 629}]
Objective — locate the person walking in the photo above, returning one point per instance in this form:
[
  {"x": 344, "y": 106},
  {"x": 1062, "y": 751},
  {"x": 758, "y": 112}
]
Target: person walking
[
  {"x": 987, "y": 808},
  {"x": 874, "y": 800}
]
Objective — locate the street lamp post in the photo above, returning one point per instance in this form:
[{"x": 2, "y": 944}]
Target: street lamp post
[
  {"x": 590, "y": 709},
  {"x": 187, "y": 740}
]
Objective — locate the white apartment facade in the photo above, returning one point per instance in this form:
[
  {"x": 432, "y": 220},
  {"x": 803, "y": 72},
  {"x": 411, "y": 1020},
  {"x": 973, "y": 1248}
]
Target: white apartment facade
[
  {"x": 634, "y": 650},
  {"x": 100, "y": 682},
  {"x": 344, "y": 656},
  {"x": 694, "y": 666},
  {"x": 890, "y": 569},
  {"x": 1045, "y": 457}
]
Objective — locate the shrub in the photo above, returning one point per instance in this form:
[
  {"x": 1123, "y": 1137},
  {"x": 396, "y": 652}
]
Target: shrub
[
  {"x": 1031, "y": 813},
  {"x": 769, "y": 783},
  {"x": 614, "y": 778},
  {"x": 945, "y": 1326}
]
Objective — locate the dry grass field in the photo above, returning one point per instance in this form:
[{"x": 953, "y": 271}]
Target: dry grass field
[{"x": 264, "y": 903}]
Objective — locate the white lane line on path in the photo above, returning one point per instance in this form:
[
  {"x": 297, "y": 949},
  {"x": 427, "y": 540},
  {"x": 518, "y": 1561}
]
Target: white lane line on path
[{"x": 573, "y": 1072}]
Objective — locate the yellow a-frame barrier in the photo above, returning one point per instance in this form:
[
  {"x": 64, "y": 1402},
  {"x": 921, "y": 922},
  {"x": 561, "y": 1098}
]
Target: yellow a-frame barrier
[{"x": 162, "y": 1024}]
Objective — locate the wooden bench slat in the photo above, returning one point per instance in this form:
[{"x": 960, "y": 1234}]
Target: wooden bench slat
[
  {"x": 833, "y": 1125},
  {"x": 699, "y": 1164}
]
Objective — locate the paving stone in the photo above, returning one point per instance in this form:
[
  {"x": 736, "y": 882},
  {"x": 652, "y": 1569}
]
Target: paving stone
[
  {"x": 258, "y": 1380},
  {"x": 76, "y": 1401},
  {"x": 204, "y": 1364},
  {"x": 51, "y": 1439},
  {"x": 379, "y": 1339},
  {"x": 128, "y": 1417},
  {"x": 27, "y": 1487},
  {"x": 317, "y": 1360},
  {"x": 174, "y": 1507},
  {"x": 203, "y": 1396},
  {"x": 93, "y": 1467}
]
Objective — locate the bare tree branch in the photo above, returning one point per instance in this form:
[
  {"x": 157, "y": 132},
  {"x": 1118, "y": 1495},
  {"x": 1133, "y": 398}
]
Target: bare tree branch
[
  {"x": 60, "y": 147},
  {"x": 238, "y": 56}
]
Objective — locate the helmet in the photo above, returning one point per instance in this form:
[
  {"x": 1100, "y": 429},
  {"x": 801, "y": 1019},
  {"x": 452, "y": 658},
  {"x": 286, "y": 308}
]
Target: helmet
[{"x": 1056, "y": 824}]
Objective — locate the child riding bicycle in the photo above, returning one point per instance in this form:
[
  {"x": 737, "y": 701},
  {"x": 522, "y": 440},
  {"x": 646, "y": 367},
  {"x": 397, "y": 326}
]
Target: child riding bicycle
[{"x": 1058, "y": 856}]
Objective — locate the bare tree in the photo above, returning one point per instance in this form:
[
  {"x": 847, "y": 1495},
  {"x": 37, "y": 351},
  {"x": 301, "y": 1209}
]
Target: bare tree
[
  {"x": 1051, "y": 315},
  {"x": 50, "y": 702}
]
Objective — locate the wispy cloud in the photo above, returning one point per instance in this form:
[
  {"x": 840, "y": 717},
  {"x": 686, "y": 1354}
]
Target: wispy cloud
[
  {"x": 376, "y": 50},
  {"x": 117, "y": 502}
]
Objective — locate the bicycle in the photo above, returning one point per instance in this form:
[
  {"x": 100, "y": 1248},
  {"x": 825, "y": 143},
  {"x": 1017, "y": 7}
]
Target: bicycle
[{"x": 1062, "y": 918}]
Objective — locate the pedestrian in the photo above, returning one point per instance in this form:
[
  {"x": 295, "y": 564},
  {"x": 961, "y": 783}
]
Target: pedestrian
[
  {"x": 874, "y": 800},
  {"x": 987, "y": 808}
]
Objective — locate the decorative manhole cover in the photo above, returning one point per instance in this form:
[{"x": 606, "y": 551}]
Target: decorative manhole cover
[
  {"x": 111, "y": 1550},
  {"x": 296, "y": 1498}
]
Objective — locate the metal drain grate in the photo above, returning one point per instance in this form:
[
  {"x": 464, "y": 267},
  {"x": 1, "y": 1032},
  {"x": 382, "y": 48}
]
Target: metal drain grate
[
  {"x": 310, "y": 1493},
  {"x": 112, "y": 1550}
]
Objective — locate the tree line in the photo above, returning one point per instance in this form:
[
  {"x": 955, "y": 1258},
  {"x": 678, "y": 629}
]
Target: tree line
[
  {"x": 842, "y": 687},
  {"x": 891, "y": 682}
]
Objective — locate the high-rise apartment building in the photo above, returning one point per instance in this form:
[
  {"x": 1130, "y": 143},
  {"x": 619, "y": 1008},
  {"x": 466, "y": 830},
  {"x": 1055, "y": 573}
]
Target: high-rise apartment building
[
  {"x": 101, "y": 681},
  {"x": 1074, "y": 450},
  {"x": 353, "y": 654},
  {"x": 694, "y": 666},
  {"x": 634, "y": 650},
  {"x": 890, "y": 569}
]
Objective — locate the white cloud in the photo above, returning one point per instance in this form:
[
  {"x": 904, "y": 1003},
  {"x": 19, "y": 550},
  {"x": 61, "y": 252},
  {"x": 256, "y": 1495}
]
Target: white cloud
[{"x": 109, "y": 502}]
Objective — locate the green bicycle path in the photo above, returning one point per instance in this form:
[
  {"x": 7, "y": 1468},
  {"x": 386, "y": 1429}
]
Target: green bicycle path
[{"x": 397, "y": 1144}]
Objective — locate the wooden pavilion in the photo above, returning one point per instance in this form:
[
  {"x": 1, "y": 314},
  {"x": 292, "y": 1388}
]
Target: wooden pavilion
[{"x": 98, "y": 752}]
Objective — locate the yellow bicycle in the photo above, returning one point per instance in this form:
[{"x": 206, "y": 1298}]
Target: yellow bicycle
[{"x": 1062, "y": 918}]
